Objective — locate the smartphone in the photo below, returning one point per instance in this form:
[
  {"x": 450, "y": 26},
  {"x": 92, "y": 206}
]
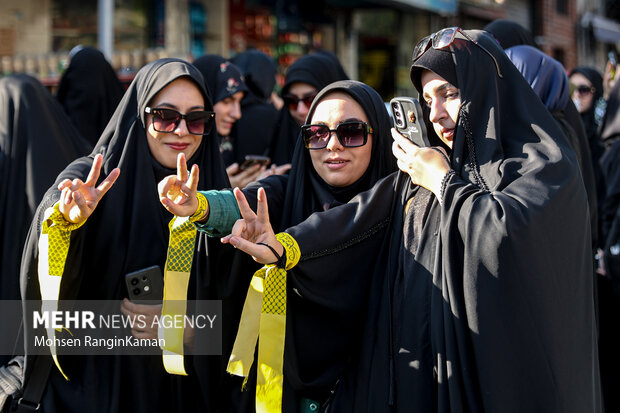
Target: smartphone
[
  {"x": 612, "y": 59},
  {"x": 407, "y": 117},
  {"x": 251, "y": 160},
  {"x": 145, "y": 284}
]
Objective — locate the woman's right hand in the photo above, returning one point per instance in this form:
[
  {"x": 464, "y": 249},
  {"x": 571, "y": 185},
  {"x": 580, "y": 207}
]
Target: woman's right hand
[
  {"x": 79, "y": 199},
  {"x": 253, "y": 229},
  {"x": 177, "y": 193}
]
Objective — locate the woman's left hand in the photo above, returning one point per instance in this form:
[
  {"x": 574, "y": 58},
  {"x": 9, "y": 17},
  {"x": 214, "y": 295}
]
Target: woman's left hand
[
  {"x": 426, "y": 166},
  {"x": 143, "y": 317}
]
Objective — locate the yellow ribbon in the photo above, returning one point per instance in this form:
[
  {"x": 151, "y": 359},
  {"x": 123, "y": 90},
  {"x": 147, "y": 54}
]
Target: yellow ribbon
[
  {"x": 176, "y": 280},
  {"x": 54, "y": 244},
  {"x": 268, "y": 292}
]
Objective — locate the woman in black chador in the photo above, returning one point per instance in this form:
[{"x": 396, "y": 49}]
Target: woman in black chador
[
  {"x": 124, "y": 231},
  {"x": 474, "y": 263},
  {"x": 324, "y": 176},
  {"x": 89, "y": 91},
  {"x": 37, "y": 141}
]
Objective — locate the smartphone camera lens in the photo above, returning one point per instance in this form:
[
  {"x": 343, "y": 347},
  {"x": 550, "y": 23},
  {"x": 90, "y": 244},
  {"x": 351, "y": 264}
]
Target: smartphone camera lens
[
  {"x": 136, "y": 291},
  {"x": 398, "y": 115},
  {"x": 134, "y": 281}
]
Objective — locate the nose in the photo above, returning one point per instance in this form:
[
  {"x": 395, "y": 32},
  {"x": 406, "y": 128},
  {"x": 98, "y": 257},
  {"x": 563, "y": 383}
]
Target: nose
[
  {"x": 235, "y": 113},
  {"x": 334, "y": 143},
  {"x": 438, "y": 110},
  {"x": 181, "y": 130}
]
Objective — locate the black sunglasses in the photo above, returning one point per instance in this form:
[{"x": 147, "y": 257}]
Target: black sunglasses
[
  {"x": 444, "y": 38},
  {"x": 291, "y": 101},
  {"x": 584, "y": 90},
  {"x": 350, "y": 134},
  {"x": 199, "y": 122}
]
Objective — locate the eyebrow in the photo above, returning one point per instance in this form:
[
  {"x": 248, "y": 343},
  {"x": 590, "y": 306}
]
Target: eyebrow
[
  {"x": 341, "y": 121},
  {"x": 440, "y": 88},
  {"x": 173, "y": 106}
]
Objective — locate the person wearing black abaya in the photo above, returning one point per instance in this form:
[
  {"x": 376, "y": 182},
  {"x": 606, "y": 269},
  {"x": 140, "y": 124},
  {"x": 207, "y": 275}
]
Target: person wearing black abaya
[
  {"x": 548, "y": 78},
  {"x": 127, "y": 231},
  {"x": 609, "y": 282},
  {"x": 227, "y": 87},
  {"x": 474, "y": 263},
  {"x": 587, "y": 85},
  {"x": 37, "y": 140},
  {"x": 310, "y": 187},
  {"x": 304, "y": 79},
  {"x": 89, "y": 91},
  {"x": 259, "y": 72}
]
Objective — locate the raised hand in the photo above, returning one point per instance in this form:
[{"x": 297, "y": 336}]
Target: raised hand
[
  {"x": 426, "y": 166},
  {"x": 177, "y": 193},
  {"x": 79, "y": 199},
  {"x": 253, "y": 229}
]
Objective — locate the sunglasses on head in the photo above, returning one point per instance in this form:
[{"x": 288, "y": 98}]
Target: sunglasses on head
[
  {"x": 291, "y": 101},
  {"x": 350, "y": 134},
  {"x": 199, "y": 122},
  {"x": 444, "y": 38},
  {"x": 584, "y": 90}
]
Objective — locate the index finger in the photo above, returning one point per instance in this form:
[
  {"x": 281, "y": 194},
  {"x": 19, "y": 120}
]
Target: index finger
[
  {"x": 93, "y": 175},
  {"x": 108, "y": 182},
  {"x": 244, "y": 207},
  {"x": 181, "y": 167}
]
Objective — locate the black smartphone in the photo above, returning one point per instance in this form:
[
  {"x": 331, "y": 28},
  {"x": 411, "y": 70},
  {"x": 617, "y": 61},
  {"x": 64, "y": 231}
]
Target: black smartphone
[
  {"x": 145, "y": 284},
  {"x": 251, "y": 160},
  {"x": 407, "y": 117}
]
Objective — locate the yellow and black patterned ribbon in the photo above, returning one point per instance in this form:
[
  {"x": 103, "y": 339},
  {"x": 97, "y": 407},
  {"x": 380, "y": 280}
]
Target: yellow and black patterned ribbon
[
  {"x": 267, "y": 292},
  {"x": 54, "y": 244},
  {"x": 176, "y": 280}
]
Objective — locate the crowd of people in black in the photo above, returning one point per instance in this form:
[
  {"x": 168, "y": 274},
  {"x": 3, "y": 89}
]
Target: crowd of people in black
[{"x": 356, "y": 271}]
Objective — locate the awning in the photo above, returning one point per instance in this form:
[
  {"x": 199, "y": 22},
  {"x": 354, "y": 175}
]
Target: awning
[{"x": 604, "y": 29}]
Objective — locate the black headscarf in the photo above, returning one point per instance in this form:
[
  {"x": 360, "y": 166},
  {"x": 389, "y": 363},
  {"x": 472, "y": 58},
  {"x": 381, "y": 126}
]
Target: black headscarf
[
  {"x": 548, "y": 78},
  {"x": 128, "y": 231},
  {"x": 37, "y": 140},
  {"x": 89, "y": 91},
  {"x": 509, "y": 33},
  {"x": 467, "y": 312},
  {"x": 252, "y": 134},
  {"x": 316, "y": 69},
  {"x": 222, "y": 80}
]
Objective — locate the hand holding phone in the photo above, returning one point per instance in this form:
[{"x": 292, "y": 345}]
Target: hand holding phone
[
  {"x": 251, "y": 160},
  {"x": 407, "y": 117}
]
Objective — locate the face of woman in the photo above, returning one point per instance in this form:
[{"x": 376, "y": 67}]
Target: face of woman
[
  {"x": 583, "y": 94},
  {"x": 183, "y": 96},
  {"x": 337, "y": 165},
  {"x": 304, "y": 94},
  {"x": 444, "y": 101},
  {"x": 227, "y": 112}
]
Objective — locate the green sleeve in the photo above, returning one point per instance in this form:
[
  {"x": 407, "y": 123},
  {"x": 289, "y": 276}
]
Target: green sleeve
[{"x": 223, "y": 212}]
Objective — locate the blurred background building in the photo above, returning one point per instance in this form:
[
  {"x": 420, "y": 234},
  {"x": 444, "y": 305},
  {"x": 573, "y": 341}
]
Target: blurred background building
[{"x": 374, "y": 39}]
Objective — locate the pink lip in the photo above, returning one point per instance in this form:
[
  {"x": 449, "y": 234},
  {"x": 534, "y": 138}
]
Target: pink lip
[
  {"x": 335, "y": 164},
  {"x": 447, "y": 133},
  {"x": 178, "y": 146}
]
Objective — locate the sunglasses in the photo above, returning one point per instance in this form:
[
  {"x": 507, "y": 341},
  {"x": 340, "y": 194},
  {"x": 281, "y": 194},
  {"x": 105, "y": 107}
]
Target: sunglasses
[
  {"x": 198, "y": 122},
  {"x": 444, "y": 38},
  {"x": 291, "y": 101},
  {"x": 584, "y": 90},
  {"x": 350, "y": 134}
]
